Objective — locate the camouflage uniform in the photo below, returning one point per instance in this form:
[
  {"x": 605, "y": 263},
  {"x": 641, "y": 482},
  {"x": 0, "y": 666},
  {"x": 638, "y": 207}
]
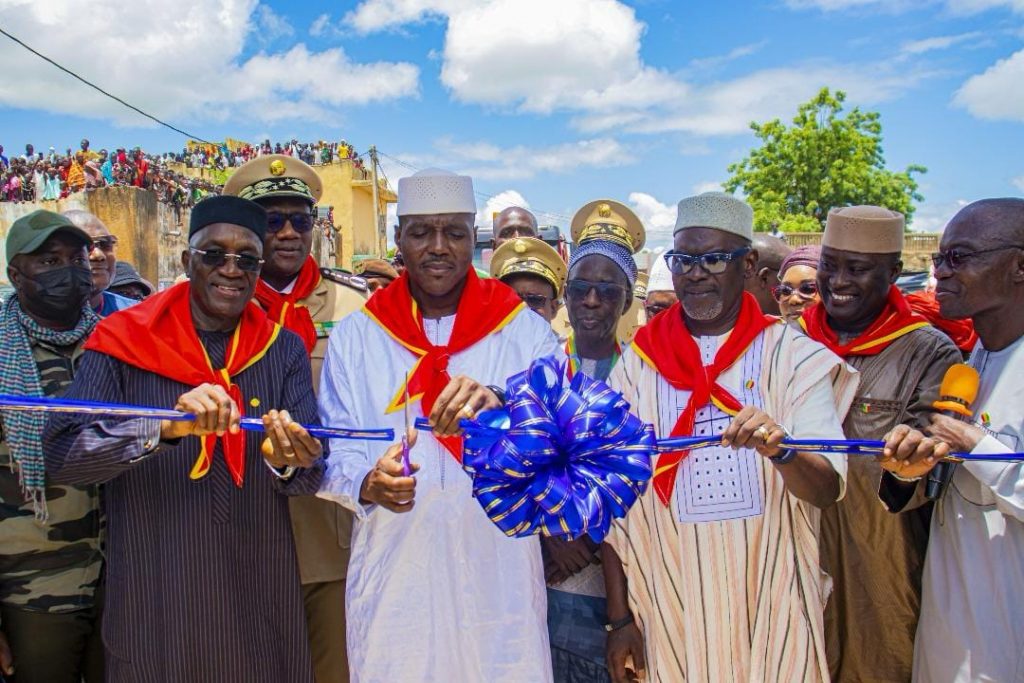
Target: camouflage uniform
[{"x": 53, "y": 567}]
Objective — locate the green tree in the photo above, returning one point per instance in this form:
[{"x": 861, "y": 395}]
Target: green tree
[{"x": 823, "y": 160}]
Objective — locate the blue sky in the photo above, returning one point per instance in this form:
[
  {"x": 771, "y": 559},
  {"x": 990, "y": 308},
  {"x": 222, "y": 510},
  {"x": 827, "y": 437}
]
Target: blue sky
[{"x": 547, "y": 102}]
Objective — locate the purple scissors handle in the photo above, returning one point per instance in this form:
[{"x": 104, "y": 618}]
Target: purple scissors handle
[{"x": 406, "y": 468}]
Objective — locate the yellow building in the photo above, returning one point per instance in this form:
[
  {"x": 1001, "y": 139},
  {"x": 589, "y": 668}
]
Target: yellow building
[{"x": 349, "y": 190}]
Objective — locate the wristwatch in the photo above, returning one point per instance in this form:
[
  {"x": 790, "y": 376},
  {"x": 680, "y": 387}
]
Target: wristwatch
[
  {"x": 499, "y": 392},
  {"x": 783, "y": 457},
  {"x": 619, "y": 623}
]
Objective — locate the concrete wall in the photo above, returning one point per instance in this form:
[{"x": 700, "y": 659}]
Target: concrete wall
[{"x": 148, "y": 232}]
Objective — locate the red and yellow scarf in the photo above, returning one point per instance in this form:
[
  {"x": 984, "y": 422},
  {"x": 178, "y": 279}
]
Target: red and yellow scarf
[
  {"x": 158, "y": 336},
  {"x": 285, "y": 309},
  {"x": 486, "y": 306},
  {"x": 666, "y": 345},
  {"x": 895, "y": 320}
]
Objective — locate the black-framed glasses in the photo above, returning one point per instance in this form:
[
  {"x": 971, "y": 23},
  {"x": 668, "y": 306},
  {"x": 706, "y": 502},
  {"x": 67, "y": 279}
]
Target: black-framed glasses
[
  {"x": 955, "y": 258},
  {"x": 104, "y": 244},
  {"x": 806, "y": 290},
  {"x": 215, "y": 258},
  {"x": 654, "y": 309},
  {"x": 535, "y": 301},
  {"x": 606, "y": 291},
  {"x": 301, "y": 221},
  {"x": 713, "y": 263}
]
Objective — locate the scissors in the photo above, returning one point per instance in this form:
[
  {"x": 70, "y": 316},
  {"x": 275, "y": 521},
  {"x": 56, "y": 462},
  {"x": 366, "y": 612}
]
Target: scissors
[{"x": 406, "y": 469}]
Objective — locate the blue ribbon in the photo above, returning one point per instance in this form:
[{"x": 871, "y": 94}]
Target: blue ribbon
[{"x": 558, "y": 460}]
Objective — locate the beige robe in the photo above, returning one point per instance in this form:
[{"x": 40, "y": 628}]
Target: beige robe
[{"x": 737, "y": 600}]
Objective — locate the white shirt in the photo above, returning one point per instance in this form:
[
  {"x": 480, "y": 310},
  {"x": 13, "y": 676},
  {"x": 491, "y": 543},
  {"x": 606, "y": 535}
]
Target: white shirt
[
  {"x": 438, "y": 593},
  {"x": 972, "y": 605}
]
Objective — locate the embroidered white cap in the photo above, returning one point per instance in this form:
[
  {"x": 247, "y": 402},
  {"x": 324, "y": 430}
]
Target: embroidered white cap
[
  {"x": 660, "y": 279},
  {"x": 434, "y": 191},
  {"x": 716, "y": 210}
]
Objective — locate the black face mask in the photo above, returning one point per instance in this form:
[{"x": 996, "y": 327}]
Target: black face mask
[{"x": 60, "y": 293}]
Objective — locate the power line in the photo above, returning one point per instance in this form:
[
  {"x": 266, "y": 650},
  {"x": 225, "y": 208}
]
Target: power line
[{"x": 102, "y": 91}]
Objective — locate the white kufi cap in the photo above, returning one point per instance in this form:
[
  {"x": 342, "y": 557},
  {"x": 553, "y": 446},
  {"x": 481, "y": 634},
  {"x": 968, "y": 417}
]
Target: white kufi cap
[
  {"x": 434, "y": 191},
  {"x": 660, "y": 279},
  {"x": 716, "y": 210}
]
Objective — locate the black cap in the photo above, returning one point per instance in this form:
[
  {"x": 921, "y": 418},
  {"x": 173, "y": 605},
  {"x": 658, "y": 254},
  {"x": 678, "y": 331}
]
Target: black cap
[{"x": 227, "y": 209}]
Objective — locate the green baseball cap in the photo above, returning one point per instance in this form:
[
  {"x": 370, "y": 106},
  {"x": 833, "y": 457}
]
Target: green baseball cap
[{"x": 30, "y": 231}]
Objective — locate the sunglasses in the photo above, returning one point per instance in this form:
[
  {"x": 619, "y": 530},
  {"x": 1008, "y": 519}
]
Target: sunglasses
[
  {"x": 301, "y": 221},
  {"x": 654, "y": 309},
  {"x": 806, "y": 290},
  {"x": 535, "y": 301},
  {"x": 104, "y": 244},
  {"x": 955, "y": 258},
  {"x": 713, "y": 263},
  {"x": 215, "y": 258},
  {"x": 606, "y": 291}
]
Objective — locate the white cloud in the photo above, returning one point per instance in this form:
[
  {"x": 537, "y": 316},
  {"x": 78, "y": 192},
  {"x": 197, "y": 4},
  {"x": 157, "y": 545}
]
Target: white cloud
[
  {"x": 708, "y": 186},
  {"x": 658, "y": 219},
  {"x": 916, "y": 47},
  {"x": 998, "y": 92},
  {"x": 728, "y": 107},
  {"x": 933, "y": 217},
  {"x": 486, "y": 161},
  {"x": 271, "y": 25},
  {"x": 1018, "y": 182},
  {"x": 182, "y": 63},
  {"x": 376, "y": 15},
  {"x": 320, "y": 25},
  {"x": 706, "y": 63},
  {"x": 497, "y": 204}
]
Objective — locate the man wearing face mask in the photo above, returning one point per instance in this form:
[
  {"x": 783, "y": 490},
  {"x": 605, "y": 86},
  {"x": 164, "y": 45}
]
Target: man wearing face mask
[{"x": 49, "y": 534}]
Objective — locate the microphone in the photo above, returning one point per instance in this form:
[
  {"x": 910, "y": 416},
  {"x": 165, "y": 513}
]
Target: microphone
[{"x": 958, "y": 390}]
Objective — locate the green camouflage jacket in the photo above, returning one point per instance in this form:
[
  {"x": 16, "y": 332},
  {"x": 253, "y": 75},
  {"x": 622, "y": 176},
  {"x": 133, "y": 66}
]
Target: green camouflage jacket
[{"x": 52, "y": 566}]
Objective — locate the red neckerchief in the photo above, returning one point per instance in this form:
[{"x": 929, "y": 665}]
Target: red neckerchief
[
  {"x": 960, "y": 331},
  {"x": 158, "y": 336},
  {"x": 485, "y": 307},
  {"x": 285, "y": 310},
  {"x": 666, "y": 345},
  {"x": 895, "y": 320}
]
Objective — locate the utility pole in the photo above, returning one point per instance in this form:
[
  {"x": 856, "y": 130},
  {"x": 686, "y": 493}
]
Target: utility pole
[{"x": 382, "y": 250}]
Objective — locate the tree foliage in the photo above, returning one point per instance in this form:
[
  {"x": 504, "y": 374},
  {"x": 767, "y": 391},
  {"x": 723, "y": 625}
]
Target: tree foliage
[{"x": 822, "y": 160}]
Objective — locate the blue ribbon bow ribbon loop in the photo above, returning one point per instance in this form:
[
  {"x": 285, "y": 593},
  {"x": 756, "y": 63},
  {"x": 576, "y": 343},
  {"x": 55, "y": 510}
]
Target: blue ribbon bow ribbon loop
[{"x": 558, "y": 460}]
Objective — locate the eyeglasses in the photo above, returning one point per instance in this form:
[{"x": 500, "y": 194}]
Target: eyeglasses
[
  {"x": 301, "y": 221},
  {"x": 215, "y": 258},
  {"x": 654, "y": 309},
  {"x": 104, "y": 244},
  {"x": 806, "y": 290},
  {"x": 713, "y": 263},
  {"x": 606, "y": 291},
  {"x": 955, "y": 258},
  {"x": 535, "y": 301}
]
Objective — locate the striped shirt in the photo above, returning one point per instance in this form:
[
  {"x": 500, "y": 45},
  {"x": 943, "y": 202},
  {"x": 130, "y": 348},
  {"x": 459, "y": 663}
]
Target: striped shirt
[
  {"x": 202, "y": 582},
  {"x": 739, "y": 599}
]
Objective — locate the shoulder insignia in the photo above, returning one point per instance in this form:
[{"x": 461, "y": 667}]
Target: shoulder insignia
[{"x": 342, "y": 278}]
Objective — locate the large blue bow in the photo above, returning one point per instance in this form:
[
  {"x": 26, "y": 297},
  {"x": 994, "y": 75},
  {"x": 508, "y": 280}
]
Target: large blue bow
[{"x": 558, "y": 460}]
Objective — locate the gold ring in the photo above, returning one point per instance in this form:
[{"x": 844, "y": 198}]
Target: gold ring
[
  {"x": 762, "y": 431},
  {"x": 468, "y": 411}
]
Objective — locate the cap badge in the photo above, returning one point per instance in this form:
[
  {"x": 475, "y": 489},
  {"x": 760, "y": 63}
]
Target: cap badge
[
  {"x": 604, "y": 211},
  {"x": 520, "y": 247},
  {"x": 277, "y": 167}
]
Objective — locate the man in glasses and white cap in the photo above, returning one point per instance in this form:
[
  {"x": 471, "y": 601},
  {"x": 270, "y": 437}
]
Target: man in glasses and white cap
[
  {"x": 720, "y": 556},
  {"x": 308, "y": 300},
  {"x": 874, "y": 558},
  {"x": 435, "y": 591}
]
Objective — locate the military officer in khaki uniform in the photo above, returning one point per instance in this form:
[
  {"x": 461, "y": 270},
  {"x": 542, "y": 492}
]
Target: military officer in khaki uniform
[
  {"x": 535, "y": 270},
  {"x": 309, "y": 301}
]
